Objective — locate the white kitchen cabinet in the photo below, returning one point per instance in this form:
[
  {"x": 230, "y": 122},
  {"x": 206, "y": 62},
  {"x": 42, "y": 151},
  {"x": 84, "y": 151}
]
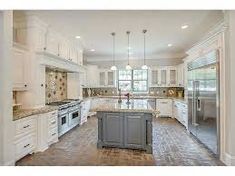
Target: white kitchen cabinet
[
  {"x": 172, "y": 76},
  {"x": 163, "y": 77},
  {"x": 102, "y": 78},
  {"x": 85, "y": 108},
  {"x": 20, "y": 73},
  {"x": 106, "y": 78},
  {"x": 165, "y": 107},
  {"x": 155, "y": 77},
  {"x": 25, "y": 136},
  {"x": 180, "y": 112},
  {"x": 47, "y": 133},
  {"x": 35, "y": 133},
  {"x": 52, "y": 42},
  {"x": 92, "y": 76},
  {"x": 180, "y": 75}
]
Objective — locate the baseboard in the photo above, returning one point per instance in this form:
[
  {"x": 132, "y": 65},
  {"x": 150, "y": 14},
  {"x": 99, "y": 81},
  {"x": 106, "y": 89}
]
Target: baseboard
[
  {"x": 10, "y": 163},
  {"x": 229, "y": 160}
]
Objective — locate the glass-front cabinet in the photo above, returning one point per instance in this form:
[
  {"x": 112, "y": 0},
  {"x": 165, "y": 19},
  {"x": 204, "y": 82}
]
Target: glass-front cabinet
[
  {"x": 106, "y": 78},
  {"x": 163, "y": 77}
]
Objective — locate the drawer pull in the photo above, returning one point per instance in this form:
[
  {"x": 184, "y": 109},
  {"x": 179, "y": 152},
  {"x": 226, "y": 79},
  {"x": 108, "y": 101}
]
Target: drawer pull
[
  {"x": 164, "y": 102},
  {"x": 26, "y": 145},
  {"x": 53, "y": 134},
  {"x": 26, "y": 126}
]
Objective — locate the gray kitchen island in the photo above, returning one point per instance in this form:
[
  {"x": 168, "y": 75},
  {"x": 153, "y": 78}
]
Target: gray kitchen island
[{"x": 123, "y": 125}]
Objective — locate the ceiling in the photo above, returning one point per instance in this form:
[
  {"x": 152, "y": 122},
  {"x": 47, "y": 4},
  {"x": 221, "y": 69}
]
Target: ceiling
[{"x": 163, "y": 27}]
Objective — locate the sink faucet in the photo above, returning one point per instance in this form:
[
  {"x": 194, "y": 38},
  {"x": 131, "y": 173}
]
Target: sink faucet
[{"x": 128, "y": 98}]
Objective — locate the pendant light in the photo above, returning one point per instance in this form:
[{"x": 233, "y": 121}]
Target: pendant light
[
  {"x": 144, "y": 67},
  {"x": 128, "y": 67},
  {"x": 114, "y": 66}
]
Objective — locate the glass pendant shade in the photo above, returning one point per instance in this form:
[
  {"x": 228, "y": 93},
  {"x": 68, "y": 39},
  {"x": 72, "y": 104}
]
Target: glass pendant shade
[
  {"x": 113, "y": 68},
  {"x": 144, "y": 67},
  {"x": 128, "y": 67}
]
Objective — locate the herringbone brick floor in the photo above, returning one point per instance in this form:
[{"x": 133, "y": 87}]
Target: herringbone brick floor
[{"x": 172, "y": 145}]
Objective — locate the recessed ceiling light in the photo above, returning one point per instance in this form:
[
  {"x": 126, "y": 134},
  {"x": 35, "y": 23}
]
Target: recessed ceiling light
[
  {"x": 169, "y": 45},
  {"x": 92, "y": 50},
  {"x": 130, "y": 53},
  {"x": 129, "y": 48},
  {"x": 78, "y": 37},
  {"x": 184, "y": 26}
]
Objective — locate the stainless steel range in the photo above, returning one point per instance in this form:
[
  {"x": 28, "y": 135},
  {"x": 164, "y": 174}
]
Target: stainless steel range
[{"x": 68, "y": 114}]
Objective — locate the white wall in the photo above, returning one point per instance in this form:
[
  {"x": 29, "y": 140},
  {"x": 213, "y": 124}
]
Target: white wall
[{"x": 6, "y": 125}]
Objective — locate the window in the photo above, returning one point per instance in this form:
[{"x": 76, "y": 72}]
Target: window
[{"x": 133, "y": 80}]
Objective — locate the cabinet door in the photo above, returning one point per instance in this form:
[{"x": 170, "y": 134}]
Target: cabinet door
[
  {"x": 64, "y": 48},
  {"x": 19, "y": 67},
  {"x": 180, "y": 75},
  {"x": 154, "y": 76},
  {"x": 102, "y": 78},
  {"x": 135, "y": 129},
  {"x": 110, "y": 78},
  {"x": 172, "y": 77},
  {"x": 163, "y": 76},
  {"x": 113, "y": 129},
  {"x": 52, "y": 43},
  {"x": 165, "y": 107}
]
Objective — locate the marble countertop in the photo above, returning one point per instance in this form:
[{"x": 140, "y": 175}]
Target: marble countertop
[
  {"x": 134, "y": 106},
  {"x": 22, "y": 113}
]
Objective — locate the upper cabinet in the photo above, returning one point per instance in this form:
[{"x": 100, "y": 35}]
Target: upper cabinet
[
  {"x": 181, "y": 75},
  {"x": 19, "y": 64},
  {"x": 163, "y": 77},
  {"x": 107, "y": 78}
]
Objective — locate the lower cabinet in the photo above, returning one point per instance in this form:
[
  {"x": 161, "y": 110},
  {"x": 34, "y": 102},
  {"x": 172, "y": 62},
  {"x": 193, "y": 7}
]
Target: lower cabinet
[
  {"x": 165, "y": 107},
  {"x": 85, "y": 108},
  {"x": 134, "y": 131},
  {"x": 25, "y": 136},
  {"x": 180, "y": 111},
  {"x": 125, "y": 130},
  {"x": 47, "y": 125},
  {"x": 35, "y": 133},
  {"x": 113, "y": 129}
]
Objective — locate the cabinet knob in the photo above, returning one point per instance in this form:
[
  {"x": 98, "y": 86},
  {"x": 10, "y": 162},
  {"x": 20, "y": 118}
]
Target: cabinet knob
[{"x": 25, "y": 85}]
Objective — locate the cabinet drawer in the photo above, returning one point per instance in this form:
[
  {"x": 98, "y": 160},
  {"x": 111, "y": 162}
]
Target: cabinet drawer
[
  {"x": 53, "y": 134},
  {"x": 25, "y": 126},
  {"x": 52, "y": 122},
  {"x": 25, "y": 146}
]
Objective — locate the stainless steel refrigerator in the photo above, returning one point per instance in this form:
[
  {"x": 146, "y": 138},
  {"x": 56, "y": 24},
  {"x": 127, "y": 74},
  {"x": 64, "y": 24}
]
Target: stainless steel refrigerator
[{"x": 203, "y": 100}]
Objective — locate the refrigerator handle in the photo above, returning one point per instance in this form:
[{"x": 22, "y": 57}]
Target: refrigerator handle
[{"x": 198, "y": 104}]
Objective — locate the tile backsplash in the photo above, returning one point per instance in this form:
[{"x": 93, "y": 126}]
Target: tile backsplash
[
  {"x": 166, "y": 91},
  {"x": 99, "y": 91},
  {"x": 56, "y": 85}
]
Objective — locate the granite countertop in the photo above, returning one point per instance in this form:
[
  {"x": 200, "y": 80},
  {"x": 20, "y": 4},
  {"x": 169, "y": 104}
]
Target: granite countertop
[
  {"x": 134, "y": 106},
  {"x": 183, "y": 100},
  {"x": 22, "y": 113}
]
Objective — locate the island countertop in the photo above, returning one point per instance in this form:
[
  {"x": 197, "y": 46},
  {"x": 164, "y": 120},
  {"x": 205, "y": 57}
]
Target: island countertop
[{"x": 136, "y": 105}]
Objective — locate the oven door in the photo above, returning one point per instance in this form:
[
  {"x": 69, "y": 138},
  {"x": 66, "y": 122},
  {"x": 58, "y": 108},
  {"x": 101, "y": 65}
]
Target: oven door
[
  {"x": 63, "y": 124},
  {"x": 74, "y": 118}
]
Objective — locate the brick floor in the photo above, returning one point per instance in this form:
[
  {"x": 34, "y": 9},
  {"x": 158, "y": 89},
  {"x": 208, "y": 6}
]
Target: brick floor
[{"x": 172, "y": 145}]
